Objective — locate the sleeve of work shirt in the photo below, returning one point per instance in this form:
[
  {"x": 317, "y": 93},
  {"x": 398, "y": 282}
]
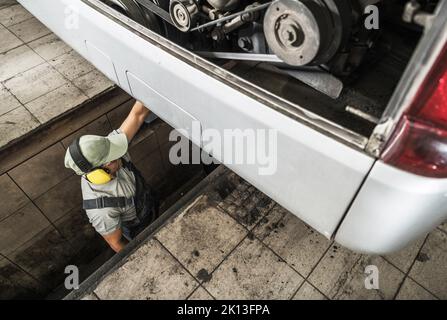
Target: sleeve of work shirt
[{"x": 105, "y": 220}]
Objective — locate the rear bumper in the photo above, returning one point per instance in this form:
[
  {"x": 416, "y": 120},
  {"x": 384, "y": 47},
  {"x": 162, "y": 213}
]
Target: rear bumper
[{"x": 393, "y": 209}]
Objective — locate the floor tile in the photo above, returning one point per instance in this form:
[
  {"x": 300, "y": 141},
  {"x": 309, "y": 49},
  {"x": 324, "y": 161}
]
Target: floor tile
[
  {"x": 341, "y": 275},
  {"x": 71, "y": 65},
  {"x": 253, "y": 271},
  {"x": 29, "y": 30},
  {"x": 47, "y": 169},
  {"x": 170, "y": 195},
  {"x": 56, "y": 103},
  {"x": 18, "y": 60},
  {"x": 119, "y": 114},
  {"x": 149, "y": 273},
  {"x": 164, "y": 150},
  {"x": 76, "y": 228},
  {"x": 49, "y": 47},
  {"x": 15, "y": 124},
  {"x": 20, "y": 227},
  {"x": 16, "y": 284},
  {"x": 246, "y": 204},
  {"x": 34, "y": 83},
  {"x": 44, "y": 257},
  {"x": 404, "y": 258},
  {"x": 308, "y": 292},
  {"x": 294, "y": 241},
  {"x": 9, "y": 40},
  {"x": 144, "y": 148},
  {"x": 93, "y": 83},
  {"x": 61, "y": 199},
  {"x": 163, "y": 130},
  {"x": 91, "y": 256},
  {"x": 176, "y": 169},
  {"x": 429, "y": 269},
  {"x": 174, "y": 184},
  {"x": 150, "y": 166},
  {"x": 145, "y": 131},
  {"x": 207, "y": 234},
  {"x": 390, "y": 279},
  {"x": 157, "y": 179},
  {"x": 12, "y": 197},
  {"x": 200, "y": 294},
  {"x": 7, "y": 3},
  {"x": 332, "y": 271},
  {"x": 410, "y": 290},
  {"x": 7, "y": 101},
  {"x": 13, "y": 15},
  {"x": 270, "y": 222}
]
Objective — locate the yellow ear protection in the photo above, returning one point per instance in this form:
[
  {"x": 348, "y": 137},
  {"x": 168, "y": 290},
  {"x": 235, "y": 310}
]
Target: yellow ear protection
[
  {"x": 94, "y": 175},
  {"x": 99, "y": 176}
]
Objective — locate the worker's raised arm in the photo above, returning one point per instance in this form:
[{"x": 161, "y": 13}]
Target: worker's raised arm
[{"x": 134, "y": 120}]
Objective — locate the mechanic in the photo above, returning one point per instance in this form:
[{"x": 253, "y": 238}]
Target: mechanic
[{"x": 118, "y": 201}]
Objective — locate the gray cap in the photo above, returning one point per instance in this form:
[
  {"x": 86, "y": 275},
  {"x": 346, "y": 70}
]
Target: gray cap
[{"x": 99, "y": 150}]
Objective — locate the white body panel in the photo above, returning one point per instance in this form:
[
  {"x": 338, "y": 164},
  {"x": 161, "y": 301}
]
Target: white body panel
[
  {"x": 317, "y": 177},
  {"x": 393, "y": 209}
]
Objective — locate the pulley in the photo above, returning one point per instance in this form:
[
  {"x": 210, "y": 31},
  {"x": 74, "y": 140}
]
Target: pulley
[
  {"x": 305, "y": 32},
  {"x": 183, "y": 14}
]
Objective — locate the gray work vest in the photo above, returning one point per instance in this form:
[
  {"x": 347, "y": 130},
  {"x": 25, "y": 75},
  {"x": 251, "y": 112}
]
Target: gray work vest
[{"x": 145, "y": 201}]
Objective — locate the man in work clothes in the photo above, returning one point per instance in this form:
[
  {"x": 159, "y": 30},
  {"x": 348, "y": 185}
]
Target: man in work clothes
[{"x": 117, "y": 200}]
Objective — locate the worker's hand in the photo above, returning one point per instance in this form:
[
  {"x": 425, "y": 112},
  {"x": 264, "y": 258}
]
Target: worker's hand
[{"x": 134, "y": 120}]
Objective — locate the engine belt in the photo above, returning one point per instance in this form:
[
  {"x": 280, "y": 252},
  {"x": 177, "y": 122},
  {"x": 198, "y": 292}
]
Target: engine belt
[{"x": 148, "y": 4}]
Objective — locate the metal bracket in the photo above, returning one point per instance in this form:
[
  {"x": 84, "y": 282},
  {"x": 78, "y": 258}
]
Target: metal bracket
[
  {"x": 240, "y": 56},
  {"x": 377, "y": 140},
  {"x": 231, "y": 16},
  {"x": 413, "y": 14},
  {"x": 318, "y": 79}
]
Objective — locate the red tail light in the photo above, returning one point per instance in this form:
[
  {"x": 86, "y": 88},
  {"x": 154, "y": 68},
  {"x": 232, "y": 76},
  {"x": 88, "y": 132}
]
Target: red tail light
[{"x": 419, "y": 143}]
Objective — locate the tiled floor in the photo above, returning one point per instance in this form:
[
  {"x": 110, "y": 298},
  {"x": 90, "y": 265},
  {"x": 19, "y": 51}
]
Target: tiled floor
[
  {"x": 232, "y": 242},
  {"x": 40, "y": 76},
  {"x": 42, "y": 225}
]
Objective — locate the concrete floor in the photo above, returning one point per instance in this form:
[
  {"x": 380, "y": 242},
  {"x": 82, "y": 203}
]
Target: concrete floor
[
  {"x": 40, "y": 76},
  {"x": 233, "y": 242}
]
